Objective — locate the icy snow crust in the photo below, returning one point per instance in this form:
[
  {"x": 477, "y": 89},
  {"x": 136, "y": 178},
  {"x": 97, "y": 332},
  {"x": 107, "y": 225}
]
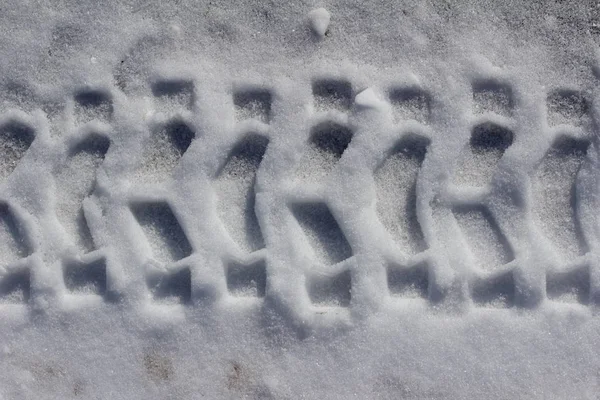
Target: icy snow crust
[{"x": 207, "y": 200}]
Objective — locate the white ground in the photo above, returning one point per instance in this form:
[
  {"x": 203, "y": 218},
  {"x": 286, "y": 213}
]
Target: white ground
[{"x": 258, "y": 200}]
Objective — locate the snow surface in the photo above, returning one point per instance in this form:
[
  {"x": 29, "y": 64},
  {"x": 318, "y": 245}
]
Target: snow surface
[
  {"x": 319, "y": 21},
  {"x": 250, "y": 200}
]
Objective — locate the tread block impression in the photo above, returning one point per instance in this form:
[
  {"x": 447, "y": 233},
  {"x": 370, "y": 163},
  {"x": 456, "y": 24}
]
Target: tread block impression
[
  {"x": 253, "y": 104},
  {"x": 323, "y": 232},
  {"x": 174, "y": 93},
  {"x": 396, "y": 184},
  {"x": 93, "y": 104},
  {"x": 330, "y": 291},
  {"x": 331, "y": 94},
  {"x": 554, "y": 195},
  {"x": 15, "y": 287},
  {"x": 478, "y": 162},
  {"x": 235, "y": 190},
  {"x": 410, "y": 282},
  {"x": 172, "y": 286},
  {"x": 247, "y": 280},
  {"x": 162, "y": 230},
  {"x": 492, "y": 96},
  {"x": 494, "y": 292},
  {"x": 15, "y": 140},
  {"x": 14, "y": 244},
  {"x": 75, "y": 182},
  {"x": 567, "y": 107},
  {"x": 569, "y": 286},
  {"x": 83, "y": 278},
  {"x": 327, "y": 143},
  {"x": 410, "y": 103},
  {"x": 486, "y": 241},
  {"x": 164, "y": 149}
]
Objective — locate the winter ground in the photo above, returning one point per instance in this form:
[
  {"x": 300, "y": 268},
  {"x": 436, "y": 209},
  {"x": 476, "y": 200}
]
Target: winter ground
[{"x": 249, "y": 200}]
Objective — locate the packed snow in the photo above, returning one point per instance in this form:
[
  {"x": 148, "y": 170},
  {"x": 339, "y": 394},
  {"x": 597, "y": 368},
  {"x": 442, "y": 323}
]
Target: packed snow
[{"x": 352, "y": 199}]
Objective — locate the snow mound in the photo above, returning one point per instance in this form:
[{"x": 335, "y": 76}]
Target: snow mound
[{"x": 209, "y": 199}]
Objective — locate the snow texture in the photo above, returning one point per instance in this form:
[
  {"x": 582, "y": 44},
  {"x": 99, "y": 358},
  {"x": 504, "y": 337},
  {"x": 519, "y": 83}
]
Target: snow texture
[
  {"x": 241, "y": 200},
  {"x": 319, "y": 21}
]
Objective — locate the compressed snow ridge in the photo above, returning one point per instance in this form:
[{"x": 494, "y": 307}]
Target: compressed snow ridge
[{"x": 213, "y": 200}]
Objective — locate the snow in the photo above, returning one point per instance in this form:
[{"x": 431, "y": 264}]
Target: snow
[
  {"x": 242, "y": 200},
  {"x": 319, "y": 21}
]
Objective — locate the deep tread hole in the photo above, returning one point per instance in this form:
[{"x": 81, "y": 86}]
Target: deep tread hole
[
  {"x": 495, "y": 292},
  {"x": 570, "y": 286},
  {"x": 16, "y": 286},
  {"x": 180, "y": 135},
  {"x": 491, "y": 95},
  {"x": 235, "y": 186},
  {"x": 333, "y": 93},
  {"x": 13, "y": 228},
  {"x": 323, "y": 231},
  {"x": 247, "y": 280},
  {"x": 331, "y": 138},
  {"x": 15, "y": 139},
  {"x": 410, "y": 103},
  {"x": 396, "y": 186},
  {"x": 92, "y": 98},
  {"x": 95, "y": 144},
  {"x": 179, "y": 91},
  {"x": 253, "y": 103},
  {"x": 246, "y": 155},
  {"x": 489, "y": 136},
  {"x": 176, "y": 284},
  {"x": 485, "y": 238},
  {"x": 555, "y": 195},
  {"x": 410, "y": 282},
  {"x": 86, "y": 278},
  {"x": 167, "y": 239},
  {"x": 331, "y": 291}
]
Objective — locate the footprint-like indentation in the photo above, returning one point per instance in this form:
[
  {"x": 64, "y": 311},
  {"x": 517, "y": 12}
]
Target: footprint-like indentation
[
  {"x": 15, "y": 140},
  {"x": 172, "y": 286},
  {"x": 82, "y": 278},
  {"x": 410, "y": 282},
  {"x": 410, "y": 103},
  {"x": 330, "y": 291},
  {"x": 484, "y": 237},
  {"x": 247, "y": 280},
  {"x": 396, "y": 183},
  {"x": 93, "y": 104},
  {"x": 14, "y": 244},
  {"x": 333, "y": 94},
  {"x": 174, "y": 94},
  {"x": 327, "y": 143},
  {"x": 569, "y": 286},
  {"x": 322, "y": 231},
  {"x": 567, "y": 107},
  {"x": 554, "y": 195},
  {"x": 477, "y": 163},
  {"x": 75, "y": 182},
  {"x": 162, "y": 230},
  {"x": 494, "y": 292},
  {"x": 253, "y": 104},
  {"x": 492, "y": 96},
  {"x": 15, "y": 287},
  {"x": 163, "y": 150},
  {"x": 235, "y": 190}
]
